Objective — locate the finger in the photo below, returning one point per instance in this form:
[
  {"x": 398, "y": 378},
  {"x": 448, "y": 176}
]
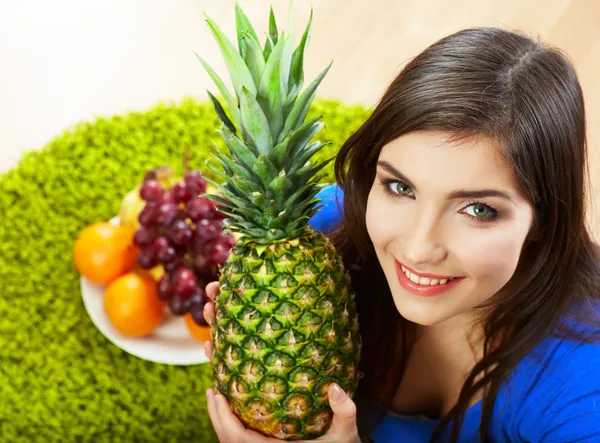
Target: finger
[
  {"x": 214, "y": 416},
  {"x": 236, "y": 432},
  {"x": 208, "y": 349},
  {"x": 212, "y": 289},
  {"x": 209, "y": 312},
  {"x": 344, "y": 412}
]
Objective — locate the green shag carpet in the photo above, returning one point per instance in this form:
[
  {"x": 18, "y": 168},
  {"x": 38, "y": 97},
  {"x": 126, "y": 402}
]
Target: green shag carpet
[{"x": 60, "y": 378}]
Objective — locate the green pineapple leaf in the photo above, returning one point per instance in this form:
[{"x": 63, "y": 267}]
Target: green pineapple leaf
[
  {"x": 296, "y": 78},
  {"x": 286, "y": 57},
  {"x": 280, "y": 186},
  {"x": 300, "y": 136},
  {"x": 268, "y": 47},
  {"x": 303, "y": 156},
  {"x": 302, "y": 105},
  {"x": 271, "y": 90},
  {"x": 273, "y": 34},
  {"x": 239, "y": 149},
  {"x": 221, "y": 113},
  {"x": 308, "y": 171},
  {"x": 234, "y": 167},
  {"x": 233, "y": 108},
  {"x": 253, "y": 56},
  {"x": 243, "y": 184},
  {"x": 243, "y": 26},
  {"x": 265, "y": 170},
  {"x": 255, "y": 125},
  {"x": 258, "y": 198},
  {"x": 239, "y": 72},
  {"x": 280, "y": 154}
]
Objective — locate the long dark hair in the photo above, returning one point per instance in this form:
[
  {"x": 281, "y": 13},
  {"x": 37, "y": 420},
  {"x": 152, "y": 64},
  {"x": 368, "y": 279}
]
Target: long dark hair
[{"x": 526, "y": 96}]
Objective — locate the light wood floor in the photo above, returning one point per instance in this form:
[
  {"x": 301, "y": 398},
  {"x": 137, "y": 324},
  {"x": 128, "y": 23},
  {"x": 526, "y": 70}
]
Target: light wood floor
[{"x": 65, "y": 60}]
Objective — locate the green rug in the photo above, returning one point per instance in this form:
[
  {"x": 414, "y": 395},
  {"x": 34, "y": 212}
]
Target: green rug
[{"x": 61, "y": 379}]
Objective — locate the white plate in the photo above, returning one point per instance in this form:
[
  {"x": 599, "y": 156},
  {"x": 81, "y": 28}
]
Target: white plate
[{"x": 171, "y": 343}]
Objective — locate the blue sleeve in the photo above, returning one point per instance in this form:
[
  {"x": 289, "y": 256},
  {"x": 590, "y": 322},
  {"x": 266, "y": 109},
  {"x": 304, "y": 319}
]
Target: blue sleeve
[
  {"x": 330, "y": 214},
  {"x": 572, "y": 411},
  {"x": 561, "y": 396}
]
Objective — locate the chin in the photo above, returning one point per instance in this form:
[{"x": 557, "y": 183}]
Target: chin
[{"x": 423, "y": 312}]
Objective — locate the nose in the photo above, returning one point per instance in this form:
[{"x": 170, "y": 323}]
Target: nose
[{"x": 424, "y": 241}]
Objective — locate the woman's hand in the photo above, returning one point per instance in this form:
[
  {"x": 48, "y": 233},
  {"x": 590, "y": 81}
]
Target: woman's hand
[{"x": 229, "y": 428}]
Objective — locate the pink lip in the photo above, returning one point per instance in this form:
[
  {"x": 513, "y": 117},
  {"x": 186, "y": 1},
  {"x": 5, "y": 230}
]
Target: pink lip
[{"x": 421, "y": 289}]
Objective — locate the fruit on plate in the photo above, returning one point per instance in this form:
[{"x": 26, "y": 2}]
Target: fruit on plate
[
  {"x": 181, "y": 232},
  {"x": 285, "y": 323},
  {"x": 132, "y": 204},
  {"x": 103, "y": 252},
  {"x": 200, "y": 333},
  {"x": 131, "y": 304}
]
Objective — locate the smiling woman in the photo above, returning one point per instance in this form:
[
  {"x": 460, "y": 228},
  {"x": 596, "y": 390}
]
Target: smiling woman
[
  {"x": 464, "y": 222},
  {"x": 460, "y": 202}
]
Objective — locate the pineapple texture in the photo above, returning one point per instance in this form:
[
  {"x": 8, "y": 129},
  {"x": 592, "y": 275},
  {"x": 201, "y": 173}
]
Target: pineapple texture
[{"x": 285, "y": 328}]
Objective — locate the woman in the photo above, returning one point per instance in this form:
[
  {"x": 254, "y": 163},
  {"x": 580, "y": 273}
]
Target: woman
[{"x": 464, "y": 225}]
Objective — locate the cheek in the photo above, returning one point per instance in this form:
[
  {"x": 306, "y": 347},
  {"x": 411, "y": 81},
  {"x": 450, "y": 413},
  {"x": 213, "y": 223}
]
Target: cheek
[
  {"x": 382, "y": 223},
  {"x": 489, "y": 257}
]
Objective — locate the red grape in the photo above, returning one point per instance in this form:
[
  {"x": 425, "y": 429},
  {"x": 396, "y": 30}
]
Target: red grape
[
  {"x": 205, "y": 233},
  {"x": 203, "y": 266},
  {"x": 199, "y": 208},
  {"x": 197, "y": 297},
  {"x": 164, "y": 250},
  {"x": 151, "y": 191},
  {"x": 181, "y": 193},
  {"x": 197, "y": 312},
  {"x": 147, "y": 258},
  {"x": 184, "y": 282},
  {"x": 147, "y": 216},
  {"x": 180, "y": 233},
  {"x": 177, "y": 305},
  {"x": 195, "y": 182},
  {"x": 172, "y": 266},
  {"x": 144, "y": 236},
  {"x": 166, "y": 214},
  {"x": 226, "y": 240},
  {"x": 163, "y": 288},
  {"x": 218, "y": 253},
  {"x": 167, "y": 197}
]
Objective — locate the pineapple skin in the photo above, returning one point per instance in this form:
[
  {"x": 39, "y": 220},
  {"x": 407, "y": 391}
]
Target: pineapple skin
[{"x": 285, "y": 327}]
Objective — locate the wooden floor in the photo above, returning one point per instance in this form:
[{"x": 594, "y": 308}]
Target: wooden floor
[{"x": 64, "y": 61}]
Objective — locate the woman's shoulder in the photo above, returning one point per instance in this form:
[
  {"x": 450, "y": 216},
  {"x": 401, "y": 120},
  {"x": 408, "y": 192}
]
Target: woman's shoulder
[
  {"x": 553, "y": 394},
  {"x": 331, "y": 209}
]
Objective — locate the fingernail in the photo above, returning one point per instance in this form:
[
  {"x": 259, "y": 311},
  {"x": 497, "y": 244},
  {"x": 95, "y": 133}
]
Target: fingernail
[
  {"x": 209, "y": 391},
  {"x": 337, "y": 395}
]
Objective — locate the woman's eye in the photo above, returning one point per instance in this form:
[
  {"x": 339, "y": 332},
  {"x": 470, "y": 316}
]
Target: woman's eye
[
  {"x": 400, "y": 188},
  {"x": 479, "y": 210}
]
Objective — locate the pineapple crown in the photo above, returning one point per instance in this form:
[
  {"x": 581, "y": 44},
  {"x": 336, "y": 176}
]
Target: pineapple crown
[{"x": 268, "y": 183}]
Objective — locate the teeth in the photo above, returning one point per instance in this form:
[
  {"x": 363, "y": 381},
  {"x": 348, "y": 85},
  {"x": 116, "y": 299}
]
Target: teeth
[{"x": 424, "y": 280}]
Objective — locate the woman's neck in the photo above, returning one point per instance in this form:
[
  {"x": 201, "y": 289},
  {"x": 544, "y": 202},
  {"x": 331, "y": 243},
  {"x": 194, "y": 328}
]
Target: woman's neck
[{"x": 440, "y": 360}]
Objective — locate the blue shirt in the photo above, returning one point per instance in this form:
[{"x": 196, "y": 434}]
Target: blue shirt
[{"x": 553, "y": 394}]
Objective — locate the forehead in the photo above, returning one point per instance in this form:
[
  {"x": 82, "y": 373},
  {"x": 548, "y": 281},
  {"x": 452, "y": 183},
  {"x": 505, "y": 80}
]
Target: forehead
[{"x": 432, "y": 159}]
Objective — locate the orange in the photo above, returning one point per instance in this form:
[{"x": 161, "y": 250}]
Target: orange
[
  {"x": 132, "y": 305},
  {"x": 200, "y": 333},
  {"x": 103, "y": 252}
]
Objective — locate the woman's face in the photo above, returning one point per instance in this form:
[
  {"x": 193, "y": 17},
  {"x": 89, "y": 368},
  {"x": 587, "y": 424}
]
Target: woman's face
[{"x": 448, "y": 224}]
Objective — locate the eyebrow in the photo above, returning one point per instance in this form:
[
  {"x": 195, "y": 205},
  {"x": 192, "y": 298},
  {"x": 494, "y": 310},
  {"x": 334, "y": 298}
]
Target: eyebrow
[{"x": 458, "y": 194}]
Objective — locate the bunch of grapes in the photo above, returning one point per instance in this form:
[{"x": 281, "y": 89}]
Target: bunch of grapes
[{"x": 182, "y": 231}]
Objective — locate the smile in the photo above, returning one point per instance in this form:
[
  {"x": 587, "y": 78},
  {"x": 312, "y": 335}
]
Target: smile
[{"x": 424, "y": 284}]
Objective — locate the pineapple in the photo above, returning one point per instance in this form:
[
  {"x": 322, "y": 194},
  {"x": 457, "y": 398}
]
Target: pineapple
[{"x": 285, "y": 323}]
